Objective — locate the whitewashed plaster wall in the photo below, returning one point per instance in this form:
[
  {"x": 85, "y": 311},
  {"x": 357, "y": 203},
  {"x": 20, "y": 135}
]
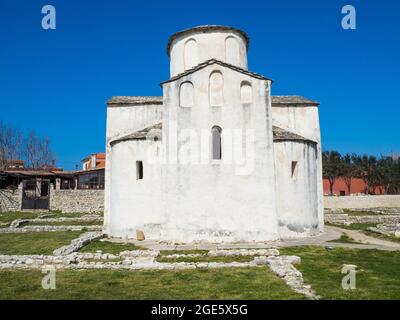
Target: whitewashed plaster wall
[
  {"x": 296, "y": 186},
  {"x": 304, "y": 120},
  {"x": 122, "y": 120},
  {"x": 211, "y": 201},
  {"x": 135, "y": 203},
  {"x": 192, "y": 49}
]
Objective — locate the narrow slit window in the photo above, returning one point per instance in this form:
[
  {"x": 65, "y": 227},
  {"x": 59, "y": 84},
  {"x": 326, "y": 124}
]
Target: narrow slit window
[
  {"x": 139, "y": 170},
  {"x": 294, "y": 169},
  {"x": 216, "y": 143}
]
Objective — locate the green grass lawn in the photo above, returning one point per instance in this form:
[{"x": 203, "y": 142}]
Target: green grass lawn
[
  {"x": 163, "y": 257},
  {"x": 226, "y": 283},
  {"x": 170, "y": 252},
  {"x": 63, "y": 223},
  {"x": 11, "y": 216},
  {"x": 353, "y": 226},
  {"x": 360, "y": 213},
  {"x": 378, "y": 275},
  {"x": 35, "y": 242},
  {"x": 59, "y": 214},
  {"x": 109, "y": 247},
  {"x": 360, "y": 226},
  {"x": 206, "y": 259}
]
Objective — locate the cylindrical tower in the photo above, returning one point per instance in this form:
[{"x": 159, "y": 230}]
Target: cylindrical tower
[{"x": 191, "y": 47}]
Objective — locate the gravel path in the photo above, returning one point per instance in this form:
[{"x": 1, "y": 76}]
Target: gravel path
[
  {"x": 330, "y": 233},
  {"x": 368, "y": 242}
]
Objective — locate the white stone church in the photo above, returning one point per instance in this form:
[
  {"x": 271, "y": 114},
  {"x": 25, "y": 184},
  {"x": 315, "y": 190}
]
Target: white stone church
[{"x": 217, "y": 157}]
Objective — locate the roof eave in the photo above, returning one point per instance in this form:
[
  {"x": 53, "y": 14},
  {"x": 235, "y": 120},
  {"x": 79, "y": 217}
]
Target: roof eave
[
  {"x": 305, "y": 104},
  {"x": 221, "y": 63},
  {"x": 130, "y": 103},
  {"x": 294, "y": 140}
]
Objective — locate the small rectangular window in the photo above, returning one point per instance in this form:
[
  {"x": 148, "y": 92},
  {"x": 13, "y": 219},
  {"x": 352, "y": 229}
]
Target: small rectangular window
[
  {"x": 294, "y": 169},
  {"x": 139, "y": 170}
]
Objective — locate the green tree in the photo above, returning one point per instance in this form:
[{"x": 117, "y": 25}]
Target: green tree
[
  {"x": 332, "y": 167},
  {"x": 389, "y": 174},
  {"x": 349, "y": 170},
  {"x": 366, "y": 169}
]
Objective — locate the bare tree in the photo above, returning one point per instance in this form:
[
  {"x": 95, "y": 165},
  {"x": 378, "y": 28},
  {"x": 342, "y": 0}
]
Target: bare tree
[
  {"x": 10, "y": 149},
  {"x": 38, "y": 151},
  {"x": 35, "y": 150},
  {"x": 10, "y": 144}
]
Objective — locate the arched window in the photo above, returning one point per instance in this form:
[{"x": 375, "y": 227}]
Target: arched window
[
  {"x": 232, "y": 55},
  {"x": 216, "y": 89},
  {"x": 216, "y": 143},
  {"x": 246, "y": 93},
  {"x": 186, "y": 95},
  {"x": 191, "y": 55}
]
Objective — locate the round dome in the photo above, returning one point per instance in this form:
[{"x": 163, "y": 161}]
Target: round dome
[{"x": 191, "y": 47}]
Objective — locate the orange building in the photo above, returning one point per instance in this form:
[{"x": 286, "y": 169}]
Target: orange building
[{"x": 357, "y": 187}]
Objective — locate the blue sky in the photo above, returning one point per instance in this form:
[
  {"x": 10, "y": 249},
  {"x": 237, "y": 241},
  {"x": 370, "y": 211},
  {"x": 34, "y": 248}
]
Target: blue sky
[{"x": 57, "y": 81}]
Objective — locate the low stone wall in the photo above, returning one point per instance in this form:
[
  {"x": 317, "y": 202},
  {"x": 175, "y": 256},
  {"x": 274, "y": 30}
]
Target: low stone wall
[
  {"x": 88, "y": 201},
  {"x": 387, "y": 229},
  {"x": 10, "y": 200},
  {"x": 345, "y": 219},
  {"x": 361, "y": 202},
  {"x": 91, "y": 201},
  {"x": 44, "y": 228},
  {"x": 78, "y": 243}
]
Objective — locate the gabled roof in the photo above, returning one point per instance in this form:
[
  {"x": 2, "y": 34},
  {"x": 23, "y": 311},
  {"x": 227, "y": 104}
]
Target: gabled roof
[
  {"x": 221, "y": 63},
  {"x": 279, "y": 134},
  {"x": 284, "y": 135},
  {"x": 206, "y": 28},
  {"x": 292, "y": 100},
  {"x": 134, "y": 100}
]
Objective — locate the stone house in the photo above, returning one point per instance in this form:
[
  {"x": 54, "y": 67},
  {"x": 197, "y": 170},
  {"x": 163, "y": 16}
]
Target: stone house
[{"x": 217, "y": 157}]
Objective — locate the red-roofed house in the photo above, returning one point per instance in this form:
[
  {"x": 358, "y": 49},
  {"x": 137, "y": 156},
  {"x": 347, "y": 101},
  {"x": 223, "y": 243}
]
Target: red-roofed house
[{"x": 94, "y": 161}]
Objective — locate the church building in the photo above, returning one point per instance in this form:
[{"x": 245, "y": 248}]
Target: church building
[{"x": 216, "y": 158}]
